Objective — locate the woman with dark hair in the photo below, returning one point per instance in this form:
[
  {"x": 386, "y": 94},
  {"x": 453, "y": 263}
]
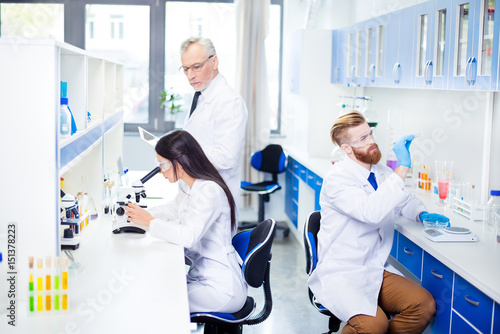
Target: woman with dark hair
[{"x": 201, "y": 219}]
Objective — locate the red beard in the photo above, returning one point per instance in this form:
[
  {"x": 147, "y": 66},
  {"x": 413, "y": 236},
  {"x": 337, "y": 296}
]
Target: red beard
[{"x": 368, "y": 157}]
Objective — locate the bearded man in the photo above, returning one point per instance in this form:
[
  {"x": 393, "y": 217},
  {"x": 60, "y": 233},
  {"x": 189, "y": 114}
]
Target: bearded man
[{"x": 360, "y": 200}]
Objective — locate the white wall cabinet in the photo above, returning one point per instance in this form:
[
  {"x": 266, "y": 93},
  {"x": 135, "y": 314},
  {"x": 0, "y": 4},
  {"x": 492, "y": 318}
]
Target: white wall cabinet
[{"x": 34, "y": 156}]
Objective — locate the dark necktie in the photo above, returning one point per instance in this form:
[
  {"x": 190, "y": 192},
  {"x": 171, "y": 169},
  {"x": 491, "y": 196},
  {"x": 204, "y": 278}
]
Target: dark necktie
[
  {"x": 195, "y": 102},
  {"x": 372, "y": 180}
]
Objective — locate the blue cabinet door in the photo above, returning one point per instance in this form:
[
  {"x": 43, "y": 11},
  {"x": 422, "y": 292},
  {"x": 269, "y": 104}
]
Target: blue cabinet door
[
  {"x": 335, "y": 70},
  {"x": 410, "y": 256},
  {"x": 459, "y": 325},
  {"x": 462, "y": 31},
  {"x": 438, "y": 280},
  {"x": 485, "y": 45},
  {"x": 406, "y": 47},
  {"x": 288, "y": 193},
  {"x": 342, "y": 52},
  {"x": 423, "y": 39},
  {"x": 391, "y": 65},
  {"x": 472, "y": 304},
  {"x": 496, "y": 320},
  {"x": 374, "y": 52}
]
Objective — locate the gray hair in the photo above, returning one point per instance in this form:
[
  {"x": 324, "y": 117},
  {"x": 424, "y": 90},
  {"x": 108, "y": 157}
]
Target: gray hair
[{"x": 206, "y": 44}]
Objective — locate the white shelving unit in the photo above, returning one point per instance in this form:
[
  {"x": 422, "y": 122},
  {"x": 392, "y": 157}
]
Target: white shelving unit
[{"x": 33, "y": 156}]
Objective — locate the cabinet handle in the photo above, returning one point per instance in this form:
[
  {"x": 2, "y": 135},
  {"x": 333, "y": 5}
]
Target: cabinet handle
[
  {"x": 396, "y": 73},
  {"x": 471, "y": 301},
  {"x": 337, "y": 74},
  {"x": 353, "y": 74},
  {"x": 408, "y": 252},
  {"x": 428, "y": 72},
  {"x": 437, "y": 275},
  {"x": 372, "y": 73},
  {"x": 425, "y": 73},
  {"x": 467, "y": 70},
  {"x": 473, "y": 70}
]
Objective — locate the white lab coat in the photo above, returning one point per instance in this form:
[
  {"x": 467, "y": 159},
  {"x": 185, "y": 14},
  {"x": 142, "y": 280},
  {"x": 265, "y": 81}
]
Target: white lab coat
[
  {"x": 356, "y": 235},
  {"x": 199, "y": 220},
  {"x": 219, "y": 124}
]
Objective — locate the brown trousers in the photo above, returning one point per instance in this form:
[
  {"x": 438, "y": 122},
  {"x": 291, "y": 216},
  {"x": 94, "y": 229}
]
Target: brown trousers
[{"x": 411, "y": 305}]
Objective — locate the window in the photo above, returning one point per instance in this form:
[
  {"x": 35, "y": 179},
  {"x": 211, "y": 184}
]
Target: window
[
  {"x": 32, "y": 20},
  {"x": 216, "y": 21},
  {"x": 123, "y": 30},
  {"x": 108, "y": 24}
]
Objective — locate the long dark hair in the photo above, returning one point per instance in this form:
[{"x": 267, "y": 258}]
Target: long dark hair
[{"x": 180, "y": 147}]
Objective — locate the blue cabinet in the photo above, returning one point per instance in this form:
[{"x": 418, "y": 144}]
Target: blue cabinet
[
  {"x": 475, "y": 30},
  {"x": 459, "y": 325},
  {"x": 472, "y": 304},
  {"x": 496, "y": 319},
  {"x": 432, "y": 40},
  {"x": 399, "y": 48},
  {"x": 335, "y": 74},
  {"x": 373, "y": 52},
  {"x": 438, "y": 280},
  {"x": 410, "y": 256}
]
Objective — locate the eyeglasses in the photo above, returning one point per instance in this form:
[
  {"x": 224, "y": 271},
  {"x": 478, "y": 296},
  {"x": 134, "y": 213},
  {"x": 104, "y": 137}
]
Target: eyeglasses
[
  {"x": 164, "y": 165},
  {"x": 195, "y": 67},
  {"x": 362, "y": 140}
]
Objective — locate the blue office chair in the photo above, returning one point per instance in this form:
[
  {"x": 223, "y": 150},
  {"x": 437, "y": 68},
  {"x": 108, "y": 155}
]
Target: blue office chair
[
  {"x": 311, "y": 229},
  {"x": 272, "y": 160},
  {"x": 254, "y": 248}
]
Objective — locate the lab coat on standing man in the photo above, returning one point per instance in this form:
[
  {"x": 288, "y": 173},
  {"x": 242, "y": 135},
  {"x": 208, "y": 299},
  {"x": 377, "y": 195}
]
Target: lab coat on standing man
[{"x": 219, "y": 120}]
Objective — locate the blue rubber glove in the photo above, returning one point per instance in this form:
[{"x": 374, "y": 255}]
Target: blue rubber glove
[
  {"x": 434, "y": 216},
  {"x": 402, "y": 150}
]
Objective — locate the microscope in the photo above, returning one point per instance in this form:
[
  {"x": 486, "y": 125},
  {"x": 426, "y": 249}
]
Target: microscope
[{"x": 128, "y": 195}]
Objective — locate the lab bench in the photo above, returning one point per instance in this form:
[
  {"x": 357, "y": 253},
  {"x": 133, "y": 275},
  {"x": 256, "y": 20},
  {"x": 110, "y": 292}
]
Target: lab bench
[{"x": 463, "y": 277}]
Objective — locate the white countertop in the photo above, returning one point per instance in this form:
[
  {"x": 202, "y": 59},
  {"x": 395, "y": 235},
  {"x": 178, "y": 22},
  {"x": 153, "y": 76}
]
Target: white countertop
[
  {"x": 127, "y": 283},
  {"x": 477, "y": 262}
]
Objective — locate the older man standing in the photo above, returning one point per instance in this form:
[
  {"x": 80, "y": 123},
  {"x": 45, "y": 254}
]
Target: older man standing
[{"x": 218, "y": 115}]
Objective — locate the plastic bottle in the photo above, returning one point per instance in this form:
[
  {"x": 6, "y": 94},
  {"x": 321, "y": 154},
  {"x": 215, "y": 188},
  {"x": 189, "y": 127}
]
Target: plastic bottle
[
  {"x": 65, "y": 118},
  {"x": 492, "y": 208}
]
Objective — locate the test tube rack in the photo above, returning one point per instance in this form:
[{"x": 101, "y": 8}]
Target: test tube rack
[
  {"x": 472, "y": 212},
  {"x": 48, "y": 285}
]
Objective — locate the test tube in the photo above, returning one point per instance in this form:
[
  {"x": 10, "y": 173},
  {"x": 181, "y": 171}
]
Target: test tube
[
  {"x": 56, "y": 283},
  {"x": 64, "y": 270},
  {"x": 31, "y": 285},
  {"x": 48, "y": 285},
  {"x": 39, "y": 286}
]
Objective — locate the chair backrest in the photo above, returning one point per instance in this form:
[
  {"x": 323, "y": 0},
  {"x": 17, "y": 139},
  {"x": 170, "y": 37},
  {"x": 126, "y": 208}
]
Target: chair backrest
[
  {"x": 311, "y": 229},
  {"x": 254, "y": 248},
  {"x": 271, "y": 159}
]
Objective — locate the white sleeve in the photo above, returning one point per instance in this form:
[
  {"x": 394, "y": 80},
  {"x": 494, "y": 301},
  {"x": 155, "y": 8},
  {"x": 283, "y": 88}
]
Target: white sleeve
[
  {"x": 229, "y": 131},
  {"x": 203, "y": 210},
  {"x": 345, "y": 194}
]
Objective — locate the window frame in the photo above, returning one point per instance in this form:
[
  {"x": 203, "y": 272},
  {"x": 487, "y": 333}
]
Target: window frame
[{"x": 75, "y": 31}]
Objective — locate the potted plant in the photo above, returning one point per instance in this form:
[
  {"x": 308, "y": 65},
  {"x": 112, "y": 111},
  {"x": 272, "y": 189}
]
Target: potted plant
[{"x": 171, "y": 102}]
